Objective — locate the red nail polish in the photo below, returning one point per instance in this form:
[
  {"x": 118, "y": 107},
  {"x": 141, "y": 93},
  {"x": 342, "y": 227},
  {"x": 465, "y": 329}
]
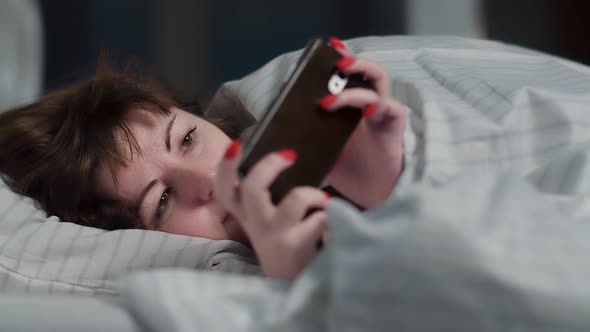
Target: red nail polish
[
  {"x": 326, "y": 101},
  {"x": 345, "y": 62},
  {"x": 337, "y": 42},
  {"x": 288, "y": 154},
  {"x": 369, "y": 110},
  {"x": 233, "y": 149}
]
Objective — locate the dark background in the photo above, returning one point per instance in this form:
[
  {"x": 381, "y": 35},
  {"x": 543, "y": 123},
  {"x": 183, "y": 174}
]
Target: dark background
[{"x": 197, "y": 45}]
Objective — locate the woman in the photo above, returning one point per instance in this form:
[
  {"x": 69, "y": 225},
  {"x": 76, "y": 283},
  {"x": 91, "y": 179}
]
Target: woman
[{"x": 115, "y": 152}]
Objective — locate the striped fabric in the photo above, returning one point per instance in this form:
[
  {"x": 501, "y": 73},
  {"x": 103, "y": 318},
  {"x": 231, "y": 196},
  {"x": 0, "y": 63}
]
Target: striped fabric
[
  {"x": 487, "y": 229},
  {"x": 473, "y": 104},
  {"x": 45, "y": 256}
]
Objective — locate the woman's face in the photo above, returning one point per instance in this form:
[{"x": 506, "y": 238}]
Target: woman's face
[{"x": 171, "y": 181}]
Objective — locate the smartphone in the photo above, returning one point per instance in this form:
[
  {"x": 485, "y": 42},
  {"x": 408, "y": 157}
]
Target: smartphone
[{"x": 295, "y": 120}]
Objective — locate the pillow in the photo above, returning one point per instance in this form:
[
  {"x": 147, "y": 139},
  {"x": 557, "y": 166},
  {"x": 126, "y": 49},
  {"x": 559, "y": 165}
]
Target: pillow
[{"x": 45, "y": 255}]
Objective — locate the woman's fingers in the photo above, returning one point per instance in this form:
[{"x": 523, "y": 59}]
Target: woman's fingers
[
  {"x": 378, "y": 111},
  {"x": 283, "y": 240},
  {"x": 372, "y": 71},
  {"x": 356, "y": 97},
  {"x": 254, "y": 187},
  {"x": 389, "y": 111},
  {"x": 298, "y": 201},
  {"x": 339, "y": 46},
  {"x": 226, "y": 181},
  {"x": 368, "y": 69},
  {"x": 310, "y": 231}
]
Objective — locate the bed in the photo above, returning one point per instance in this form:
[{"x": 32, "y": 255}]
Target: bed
[{"x": 486, "y": 231}]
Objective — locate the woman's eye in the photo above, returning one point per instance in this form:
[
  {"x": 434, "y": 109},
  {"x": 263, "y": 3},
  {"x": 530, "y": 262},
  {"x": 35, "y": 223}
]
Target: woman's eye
[
  {"x": 188, "y": 139},
  {"x": 162, "y": 204}
]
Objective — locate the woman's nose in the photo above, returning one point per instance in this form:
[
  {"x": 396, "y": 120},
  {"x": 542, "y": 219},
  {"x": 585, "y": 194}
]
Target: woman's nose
[{"x": 194, "y": 183}]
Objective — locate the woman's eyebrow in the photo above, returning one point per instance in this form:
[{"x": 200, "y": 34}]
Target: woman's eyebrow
[
  {"x": 168, "y": 130},
  {"x": 144, "y": 193}
]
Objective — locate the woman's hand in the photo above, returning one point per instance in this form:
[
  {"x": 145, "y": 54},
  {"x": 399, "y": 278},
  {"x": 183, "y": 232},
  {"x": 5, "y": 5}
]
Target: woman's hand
[
  {"x": 282, "y": 238},
  {"x": 372, "y": 160}
]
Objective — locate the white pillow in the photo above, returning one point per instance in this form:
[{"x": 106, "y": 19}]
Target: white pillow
[{"x": 44, "y": 255}]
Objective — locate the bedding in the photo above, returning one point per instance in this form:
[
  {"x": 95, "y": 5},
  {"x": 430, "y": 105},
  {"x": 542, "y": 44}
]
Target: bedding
[
  {"x": 485, "y": 230},
  {"x": 40, "y": 255},
  {"x": 512, "y": 259},
  {"x": 504, "y": 257},
  {"x": 64, "y": 313}
]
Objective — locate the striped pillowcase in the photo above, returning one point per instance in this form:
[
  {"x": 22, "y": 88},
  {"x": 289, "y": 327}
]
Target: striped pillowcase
[{"x": 47, "y": 256}]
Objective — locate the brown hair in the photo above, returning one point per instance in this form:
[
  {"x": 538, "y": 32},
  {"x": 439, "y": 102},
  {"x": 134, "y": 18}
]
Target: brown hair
[{"x": 50, "y": 149}]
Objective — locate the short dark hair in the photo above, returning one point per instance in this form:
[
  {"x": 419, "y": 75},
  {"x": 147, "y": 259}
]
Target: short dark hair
[{"x": 50, "y": 149}]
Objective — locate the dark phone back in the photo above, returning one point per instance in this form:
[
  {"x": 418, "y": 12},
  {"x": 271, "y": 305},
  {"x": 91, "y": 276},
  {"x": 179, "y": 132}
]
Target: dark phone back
[{"x": 296, "y": 121}]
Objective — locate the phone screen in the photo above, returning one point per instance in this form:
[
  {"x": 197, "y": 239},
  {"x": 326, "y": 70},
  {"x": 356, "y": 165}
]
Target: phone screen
[{"x": 295, "y": 120}]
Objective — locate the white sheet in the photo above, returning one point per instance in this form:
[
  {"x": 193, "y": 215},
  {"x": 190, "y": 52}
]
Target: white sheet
[
  {"x": 476, "y": 106},
  {"x": 504, "y": 257},
  {"x": 487, "y": 230}
]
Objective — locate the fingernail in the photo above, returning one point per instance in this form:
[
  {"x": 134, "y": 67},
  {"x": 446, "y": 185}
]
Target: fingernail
[
  {"x": 326, "y": 101},
  {"x": 233, "y": 149},
  {"x": 328, "y": 196},
  {"x": 345, "y": 62},
  {"x": 336, "y": 42},
  {"x": 288, "y": 154},
  {"x": 369, "y": 110}
]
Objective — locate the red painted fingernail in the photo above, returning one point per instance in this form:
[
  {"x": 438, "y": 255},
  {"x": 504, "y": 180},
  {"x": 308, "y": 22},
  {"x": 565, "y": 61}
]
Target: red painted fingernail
[
  {"x": 369, "y": 110},
  {"x": 326, "y": 101},
  {"x": 345, "y": 62},
  {"x": 288, "y": 154},
  {"x": 233, "y": 149},
  {"x": 336, "y": 42}
]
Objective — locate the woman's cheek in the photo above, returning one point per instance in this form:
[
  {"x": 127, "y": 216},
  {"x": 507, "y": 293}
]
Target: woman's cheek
[
  {"x": 213, "y": 150},
  {"x": 193, "y": 223}
]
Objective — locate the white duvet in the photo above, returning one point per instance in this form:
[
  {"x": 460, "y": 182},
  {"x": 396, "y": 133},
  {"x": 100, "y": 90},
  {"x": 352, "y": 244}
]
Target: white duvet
[
  {"x": 488, "y": 229},
  {"x": 504, "y": 257}
]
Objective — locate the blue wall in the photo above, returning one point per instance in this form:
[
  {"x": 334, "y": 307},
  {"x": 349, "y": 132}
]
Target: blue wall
[
  {"x": 76, "y": 32},
  {"x": 241, "y": 35}
]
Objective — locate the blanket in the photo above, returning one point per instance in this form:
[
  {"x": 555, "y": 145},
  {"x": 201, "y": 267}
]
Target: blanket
[
  {"x": 487, "y": 230},
  {"x": 503, "y": 257}
]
